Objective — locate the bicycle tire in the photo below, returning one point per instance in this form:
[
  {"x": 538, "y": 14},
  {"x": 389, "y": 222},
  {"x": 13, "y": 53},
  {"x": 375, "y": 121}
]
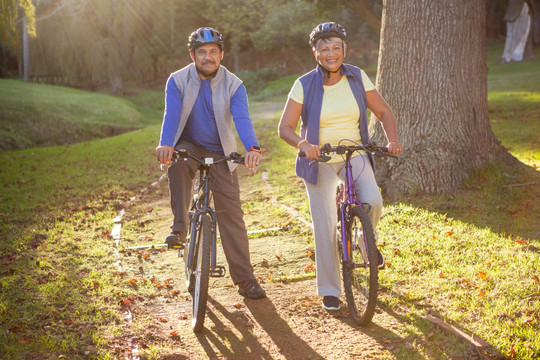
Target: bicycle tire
[
  {"x": 360, "y": 275},
  {"x": 202, "y": 272}
]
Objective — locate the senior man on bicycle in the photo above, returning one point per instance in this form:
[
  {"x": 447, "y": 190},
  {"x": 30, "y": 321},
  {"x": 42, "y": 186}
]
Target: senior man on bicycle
[
  {"x": 201, "y": 102},
  {"x": 332, "y": 100}
]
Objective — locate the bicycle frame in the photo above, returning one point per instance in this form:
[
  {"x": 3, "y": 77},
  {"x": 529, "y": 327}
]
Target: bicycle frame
[{"x": 348, "y": 199}]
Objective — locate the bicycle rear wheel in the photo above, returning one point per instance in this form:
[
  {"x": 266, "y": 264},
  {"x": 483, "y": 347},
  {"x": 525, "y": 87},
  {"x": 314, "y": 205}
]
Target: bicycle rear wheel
[
  {"x": 201, "y": 265},
  {"x": 360, "y": 274}
]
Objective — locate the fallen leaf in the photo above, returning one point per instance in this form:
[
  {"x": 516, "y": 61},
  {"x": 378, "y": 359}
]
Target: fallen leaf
[
  {"x": 441, "y": 275},
  {"x": 449, "y": 233},
  {"x": 482, "y": 275},
  {"x": 133, "y": 281},
  {"x": 535, "y": 278},
  {"x": 238, "y": 305},
  {"x": 183, "y": 316},
  {"x": 310, "y": 267},
  {"x": 482, "y": 293}
]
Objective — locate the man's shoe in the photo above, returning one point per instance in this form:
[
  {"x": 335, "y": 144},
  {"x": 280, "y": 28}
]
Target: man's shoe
[
  {"x": 331, "y": 303},
  {"x": 176, "y": 240},
  {"x": 251, "y": 289},
  {"x": 380, "y": 259}
]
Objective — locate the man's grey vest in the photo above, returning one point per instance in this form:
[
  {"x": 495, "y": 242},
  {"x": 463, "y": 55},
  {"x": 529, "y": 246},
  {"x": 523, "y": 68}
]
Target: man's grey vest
[{"x": 224, "y": 86}]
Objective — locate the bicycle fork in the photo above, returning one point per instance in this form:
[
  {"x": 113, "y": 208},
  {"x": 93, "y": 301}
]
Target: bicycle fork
[{"x": 215, "y": 270}]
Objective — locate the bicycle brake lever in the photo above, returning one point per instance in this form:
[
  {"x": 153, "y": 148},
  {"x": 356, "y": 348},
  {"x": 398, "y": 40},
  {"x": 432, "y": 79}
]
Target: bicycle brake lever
[{"x": 324, "y": 158}]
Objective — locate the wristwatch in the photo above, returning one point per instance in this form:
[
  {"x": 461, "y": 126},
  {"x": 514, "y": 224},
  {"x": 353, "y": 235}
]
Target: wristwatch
[{"x": 255, "y": 148}]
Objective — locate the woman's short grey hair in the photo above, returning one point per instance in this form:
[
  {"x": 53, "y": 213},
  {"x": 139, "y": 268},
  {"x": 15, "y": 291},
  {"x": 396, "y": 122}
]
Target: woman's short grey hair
[{"x": 328, "y": 39}]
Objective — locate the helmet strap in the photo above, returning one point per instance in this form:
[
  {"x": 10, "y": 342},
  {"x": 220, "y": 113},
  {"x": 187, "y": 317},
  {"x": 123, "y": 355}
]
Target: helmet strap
[{"x": 329, "y": 73}]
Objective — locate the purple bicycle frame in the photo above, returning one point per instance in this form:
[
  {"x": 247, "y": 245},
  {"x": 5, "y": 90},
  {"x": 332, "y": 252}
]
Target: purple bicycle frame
[{"x": 349, "y": 201}]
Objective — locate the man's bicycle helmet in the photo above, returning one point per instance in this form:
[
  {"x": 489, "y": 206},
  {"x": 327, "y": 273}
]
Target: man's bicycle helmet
[
  {"x": 205, "y": 35},
  {"x": 326, "y": 30}
]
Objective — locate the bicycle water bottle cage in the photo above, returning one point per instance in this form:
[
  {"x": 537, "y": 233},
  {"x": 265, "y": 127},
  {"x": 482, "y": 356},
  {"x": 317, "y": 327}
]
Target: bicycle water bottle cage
[{"x": 219, "y": 271}]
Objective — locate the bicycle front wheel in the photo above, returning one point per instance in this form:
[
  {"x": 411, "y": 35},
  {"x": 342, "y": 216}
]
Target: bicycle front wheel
[
  {"x": 201, "y": 274},
  {"x": 360, "y": 274}
]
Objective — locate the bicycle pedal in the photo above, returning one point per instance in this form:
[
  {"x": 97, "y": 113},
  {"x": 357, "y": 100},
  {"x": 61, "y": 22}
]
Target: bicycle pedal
[
  {"x": 219, "y": 271},
  {"x": 179, "y": 247}
]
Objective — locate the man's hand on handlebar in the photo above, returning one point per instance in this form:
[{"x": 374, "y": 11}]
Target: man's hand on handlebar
[
  {"x": 164, "y": 154},
  {"x": 252, "y": 159}
]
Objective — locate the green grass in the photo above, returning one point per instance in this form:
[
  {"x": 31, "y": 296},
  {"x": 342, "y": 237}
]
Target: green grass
[
  {"x": 60, "y": 291},
  {"x": 276, "y": 90},
  {"x": 514, "y": 106},
  {"x": 40, "y": 115},
  {"x": 42, "y": 183}
]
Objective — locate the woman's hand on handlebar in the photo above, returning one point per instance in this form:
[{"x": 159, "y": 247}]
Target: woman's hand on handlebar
[
  {"x": 311, "y": 151},
  {"x": 164, "y": 154},
  {"x": 394, "y": 148},
  {"x": 252, "y": 159}
]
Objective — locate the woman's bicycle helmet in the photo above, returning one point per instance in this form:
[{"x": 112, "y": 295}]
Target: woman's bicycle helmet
[
  {"x": 326, "y": 30},
  {"x": 205, "y": 35}
]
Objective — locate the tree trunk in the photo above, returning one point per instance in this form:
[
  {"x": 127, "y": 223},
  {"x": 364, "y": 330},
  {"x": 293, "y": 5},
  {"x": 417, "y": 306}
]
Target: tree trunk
[
  {"x": 519, "y": 21},
  {"x": 432, "y": 71},
  {"x": 26, "y": 52}
]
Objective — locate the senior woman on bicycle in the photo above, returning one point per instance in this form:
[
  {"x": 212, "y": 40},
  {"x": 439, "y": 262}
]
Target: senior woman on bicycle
[{"x": 332, "y": 100}]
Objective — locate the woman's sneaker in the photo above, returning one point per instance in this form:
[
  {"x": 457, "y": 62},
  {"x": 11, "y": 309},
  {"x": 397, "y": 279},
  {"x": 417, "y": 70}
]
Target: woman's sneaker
[
  {"x": 330, "y": 303},
  {"x": 176, "y": 240}
]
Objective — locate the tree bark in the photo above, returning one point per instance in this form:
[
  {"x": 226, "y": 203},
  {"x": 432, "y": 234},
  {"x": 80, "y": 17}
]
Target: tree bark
[
  {"x": 432, "y": 71},
  {"x": 26, "y": 52}
]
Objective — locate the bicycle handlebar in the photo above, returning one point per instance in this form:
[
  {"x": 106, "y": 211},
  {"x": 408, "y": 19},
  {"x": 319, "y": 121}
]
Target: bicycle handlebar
[
  {"x": 183, "y": 154},
  {"x": 328, "y": 149}
]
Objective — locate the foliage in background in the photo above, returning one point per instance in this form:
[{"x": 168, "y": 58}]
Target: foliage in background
[
  {"x": 9, "y": 14},
  {"x": 255, "y": 81},
  {"x": 94, "y": 45}
]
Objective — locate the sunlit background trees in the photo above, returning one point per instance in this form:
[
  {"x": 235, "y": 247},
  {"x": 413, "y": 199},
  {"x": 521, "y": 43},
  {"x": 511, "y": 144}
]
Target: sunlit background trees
[{"x": 97, "y": 43}]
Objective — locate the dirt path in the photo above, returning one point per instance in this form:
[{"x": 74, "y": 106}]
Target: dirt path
[{"x": 289, "y": 324}]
